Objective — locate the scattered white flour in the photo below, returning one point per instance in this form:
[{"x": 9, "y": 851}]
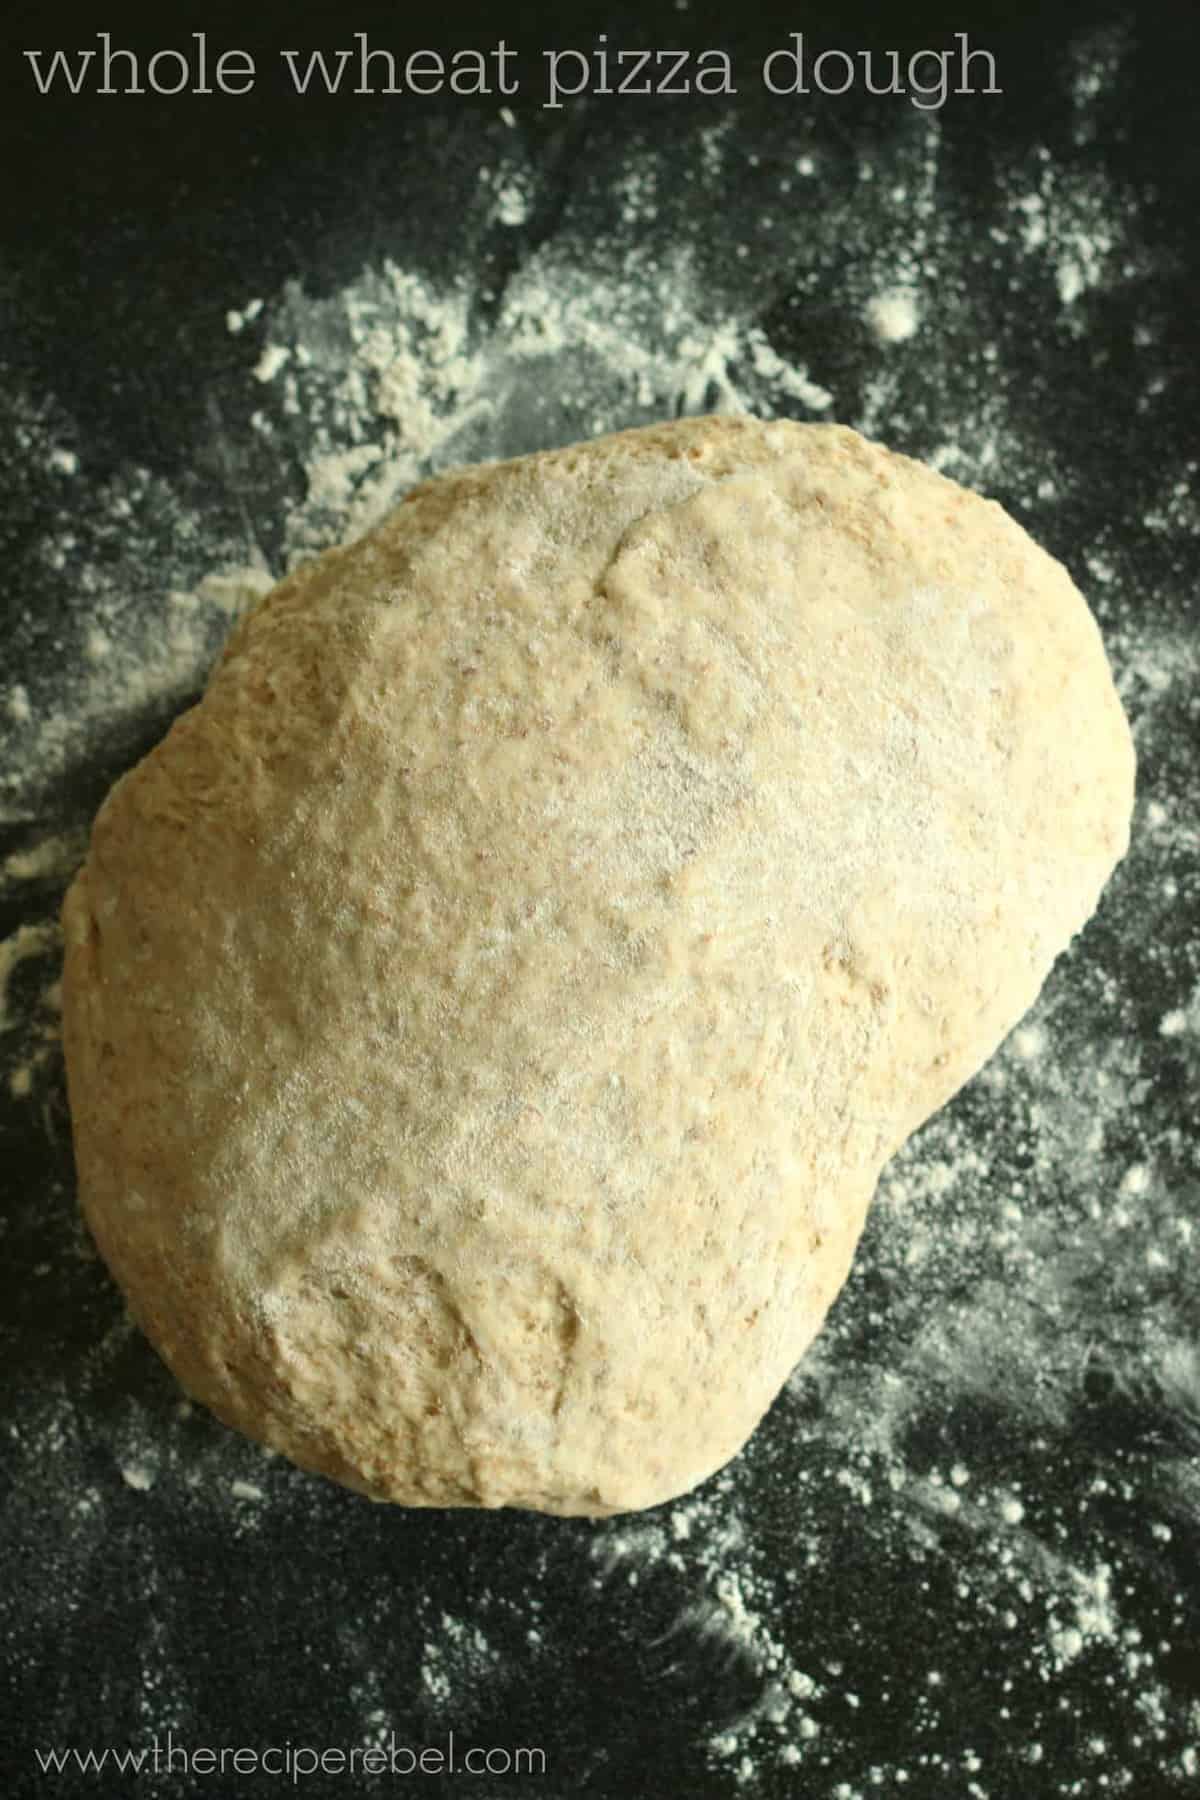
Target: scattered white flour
[
  {"x": 1029, "y": 1265},
  {"x": 25, "y": 943},
  {"x": 893, "y": 315},
  {"x": 456, "y": 1661},
  {"x": 17, "y": 704},
  {"x": 52, "y": 858},
  {"x": 236, "y": 321},
  {"x": 512, "y": 203},
  {"x": 273, "y": 358}
]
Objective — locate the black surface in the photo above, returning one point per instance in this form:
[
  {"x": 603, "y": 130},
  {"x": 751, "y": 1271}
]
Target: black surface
[{"x": 130, "y": 224}]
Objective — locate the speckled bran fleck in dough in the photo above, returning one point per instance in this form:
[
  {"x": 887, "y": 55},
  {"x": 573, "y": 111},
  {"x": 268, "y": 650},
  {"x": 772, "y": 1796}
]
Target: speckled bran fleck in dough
[{"x": 488, "y": 1011}]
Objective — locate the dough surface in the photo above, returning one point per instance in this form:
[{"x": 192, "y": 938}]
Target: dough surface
[{"x": 487, "y": 1012}]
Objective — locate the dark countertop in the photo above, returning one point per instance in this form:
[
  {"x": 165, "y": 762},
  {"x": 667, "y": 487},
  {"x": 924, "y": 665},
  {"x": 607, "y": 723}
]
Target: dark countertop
[{"x": 959, "y": 1557}]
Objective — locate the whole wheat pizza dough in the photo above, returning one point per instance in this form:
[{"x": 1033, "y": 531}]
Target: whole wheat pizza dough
[{"x": 488, "y": 1011}]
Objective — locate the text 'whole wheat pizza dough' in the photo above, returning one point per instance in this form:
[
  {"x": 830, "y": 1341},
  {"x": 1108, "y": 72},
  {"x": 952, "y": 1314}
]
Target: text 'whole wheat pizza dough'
[{"x": 488, "y": 1011}]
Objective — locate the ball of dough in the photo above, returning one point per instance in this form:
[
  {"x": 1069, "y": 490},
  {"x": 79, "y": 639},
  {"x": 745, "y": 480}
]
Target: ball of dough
[{"x": 488, "y": 1010}]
